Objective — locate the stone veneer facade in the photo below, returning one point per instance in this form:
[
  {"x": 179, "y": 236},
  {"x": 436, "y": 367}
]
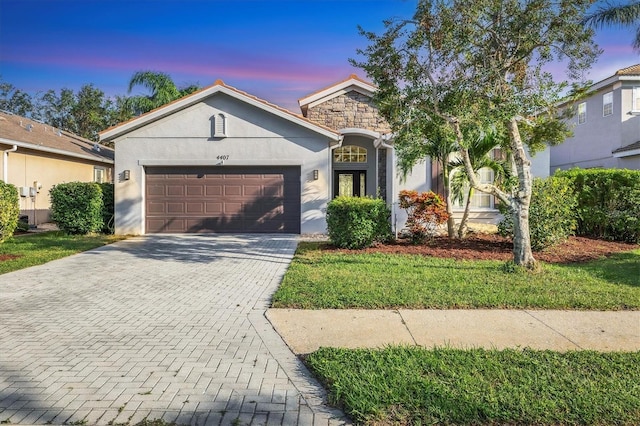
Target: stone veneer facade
[{"x": 350, "y": 110}]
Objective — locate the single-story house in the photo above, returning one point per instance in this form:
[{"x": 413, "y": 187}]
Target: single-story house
[
  {"x": 36, "y": 156},
  {"x": 222, "y": 160}
]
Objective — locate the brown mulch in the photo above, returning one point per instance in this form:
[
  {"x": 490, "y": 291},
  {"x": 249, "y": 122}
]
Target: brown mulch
[
  {"x": 4, "y": 257},
  {"x": 481, "y": 246}
]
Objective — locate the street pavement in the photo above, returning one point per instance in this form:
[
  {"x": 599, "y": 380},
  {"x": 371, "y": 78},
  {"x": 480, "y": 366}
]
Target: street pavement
[{"x": 165, "y": 327}]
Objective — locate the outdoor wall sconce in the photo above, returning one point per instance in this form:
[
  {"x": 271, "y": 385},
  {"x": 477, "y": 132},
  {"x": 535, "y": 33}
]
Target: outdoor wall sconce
[
  {"x": 126, "y": 174},
  {"x": 315, "y": 174}
]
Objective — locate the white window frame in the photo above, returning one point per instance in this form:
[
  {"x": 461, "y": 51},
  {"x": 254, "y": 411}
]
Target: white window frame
[
  {"x": 635, "y": 101},
  {"x": 350, "y": 154},
  {"x": 99, "y": 174},
  {"x": 582, "y": 112},
  {"x": 607, "y": 104}
]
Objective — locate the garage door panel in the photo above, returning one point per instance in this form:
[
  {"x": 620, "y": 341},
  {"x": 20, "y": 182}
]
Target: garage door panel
[{"x": 223, "y": 199}]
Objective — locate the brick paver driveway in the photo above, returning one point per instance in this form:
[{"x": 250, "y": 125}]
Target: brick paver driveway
[{"x": 153, "y": 327}]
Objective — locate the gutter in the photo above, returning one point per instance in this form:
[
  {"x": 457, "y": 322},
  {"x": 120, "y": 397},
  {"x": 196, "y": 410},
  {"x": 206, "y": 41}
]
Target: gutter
[
  {"x": 5, "y": 162},
  {"x": 54, "y": 151}
]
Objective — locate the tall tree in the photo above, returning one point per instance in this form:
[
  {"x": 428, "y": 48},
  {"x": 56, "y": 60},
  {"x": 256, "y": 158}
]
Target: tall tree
[
  {"x": 614, "y": 14},
  {"x": 482, "y": 64},
  {"x": 14, "y": 100},
  {"x": 161, "y": 88}
]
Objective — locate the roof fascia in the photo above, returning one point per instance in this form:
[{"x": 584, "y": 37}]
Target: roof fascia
[
  {"x": 54, "y": 151},
  {"x": 336, "y": 90}
]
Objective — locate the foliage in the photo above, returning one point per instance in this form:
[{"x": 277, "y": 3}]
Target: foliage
[
  {"x": 425, "y": 212},
  {"x": 608, "y": 202},
  {"x": 9, "y": 210},
  {"x": 471, "y": 67},
  {"x": 413, "y": 385},
  {"x": 552, "y": 212},
  {"x": 320, "y": 279},
  {"x": 161, "y": 87},
  {"x": 108, "y": 207},
  {"x": 612, "y": 14},
  {"x": 36, "y": 249},
  {"x": 14, "y": 100},
  {"x": 357, "y": 222},
  {"x": 76, "y": 207}
]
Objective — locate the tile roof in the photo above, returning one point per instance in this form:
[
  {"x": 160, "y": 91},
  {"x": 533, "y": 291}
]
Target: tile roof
[
  {"x": 40, "y": 136},
  {"x": 630, "y": 147},
  {"x": 632, "y": 70}
]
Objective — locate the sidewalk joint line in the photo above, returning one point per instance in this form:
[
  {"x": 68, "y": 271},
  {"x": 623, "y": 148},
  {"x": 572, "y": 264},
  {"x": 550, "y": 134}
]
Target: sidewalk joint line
[
  {"x": 551, "y": 328},
  {"x": 406, "y": 326}
]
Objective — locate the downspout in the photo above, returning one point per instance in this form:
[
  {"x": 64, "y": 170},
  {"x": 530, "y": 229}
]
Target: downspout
[{"x": 5, "y": 162}]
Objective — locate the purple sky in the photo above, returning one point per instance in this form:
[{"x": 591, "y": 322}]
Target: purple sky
[{"x": 279, "y": 50}]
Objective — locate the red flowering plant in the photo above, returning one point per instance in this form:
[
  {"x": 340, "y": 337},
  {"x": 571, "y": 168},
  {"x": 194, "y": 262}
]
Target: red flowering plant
[{"x": 425, "y": 212}]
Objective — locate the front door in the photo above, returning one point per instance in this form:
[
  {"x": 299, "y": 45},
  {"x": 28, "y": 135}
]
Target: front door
[{"x": 349, "y": 183}]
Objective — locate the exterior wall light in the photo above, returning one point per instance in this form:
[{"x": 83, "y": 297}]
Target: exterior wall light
[
  {"x": 315, "y": 174},
  {"x": 126, "y": 175}
]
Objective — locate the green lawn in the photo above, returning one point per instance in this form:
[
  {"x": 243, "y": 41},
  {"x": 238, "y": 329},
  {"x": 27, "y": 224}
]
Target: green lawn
[
  {"x": 36, "y": 249},
  {"x": 409, "y": 385},
  {"x": 320, "y": 279}
]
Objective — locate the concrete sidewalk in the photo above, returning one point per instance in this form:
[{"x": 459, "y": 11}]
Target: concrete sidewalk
[{"x": 305, "y": 331}]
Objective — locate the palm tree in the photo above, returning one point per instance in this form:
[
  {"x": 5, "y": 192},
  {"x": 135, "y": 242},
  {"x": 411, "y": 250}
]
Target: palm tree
[
  {"x": 611, "y": 14},
  {"x": 161, "y": 87},
  {"x": 479, "y": 149}
]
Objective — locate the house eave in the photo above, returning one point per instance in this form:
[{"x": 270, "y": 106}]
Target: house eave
[
  {"x": 55, "y": 151},
  {"x": 629, "y": 153}
]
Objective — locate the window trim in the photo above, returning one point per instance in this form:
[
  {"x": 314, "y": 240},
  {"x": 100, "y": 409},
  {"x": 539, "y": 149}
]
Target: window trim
[
  {"x": 103, "y": 172},
  {"x": 605, "y": 104},
  {"x": 352, "y": 153},
  {"x": 635, "y": 96}
]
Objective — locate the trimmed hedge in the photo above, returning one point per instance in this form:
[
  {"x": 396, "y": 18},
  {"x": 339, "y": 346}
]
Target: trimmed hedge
[
  {"x": 9, "y": 210},
  {"x": 358, "y": 222},
  {"x": 552, "y": 217},
  {"x": 608, "y": 202},
  {"x": 107, "y": 208},
  {"x": 76, "y": 207}
]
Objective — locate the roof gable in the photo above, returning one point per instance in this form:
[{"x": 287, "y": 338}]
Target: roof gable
[
  {"x": 32, "y": 134},
  {"x": 218, "y": 87},
  {"x": 351, "y": 83}
]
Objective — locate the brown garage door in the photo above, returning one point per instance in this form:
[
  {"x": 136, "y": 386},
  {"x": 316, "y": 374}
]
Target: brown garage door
[{"x": 222, "y": 199}]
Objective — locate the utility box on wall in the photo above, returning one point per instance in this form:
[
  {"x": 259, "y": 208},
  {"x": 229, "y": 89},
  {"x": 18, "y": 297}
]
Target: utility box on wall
[{"x": 24, "y": 191}]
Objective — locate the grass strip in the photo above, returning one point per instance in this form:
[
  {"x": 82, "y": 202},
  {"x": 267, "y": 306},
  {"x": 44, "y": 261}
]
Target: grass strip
[
  {"x": 319, "y": 279},
  {"x": 412, "y": 385},
  {"x": 23, "y": 251}
]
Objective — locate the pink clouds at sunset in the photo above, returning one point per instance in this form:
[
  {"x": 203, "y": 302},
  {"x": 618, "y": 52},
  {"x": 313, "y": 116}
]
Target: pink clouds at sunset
[{"x": 279, "y": 50}]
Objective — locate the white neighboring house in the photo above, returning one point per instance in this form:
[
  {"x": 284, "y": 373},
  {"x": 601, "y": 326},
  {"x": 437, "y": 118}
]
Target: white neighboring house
[
  {"x": 222, "y": 160},
  {"x": 606, "y": 126}
]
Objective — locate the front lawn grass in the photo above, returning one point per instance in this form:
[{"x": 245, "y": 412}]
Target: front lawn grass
[
  {"x": 22, "y": 251},
  {"x": 320, "y": 279},
  {"x": 411, "y": 385}
]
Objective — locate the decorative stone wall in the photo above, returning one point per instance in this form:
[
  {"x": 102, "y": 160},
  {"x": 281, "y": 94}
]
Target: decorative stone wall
[{"x": 351, "y": 110}]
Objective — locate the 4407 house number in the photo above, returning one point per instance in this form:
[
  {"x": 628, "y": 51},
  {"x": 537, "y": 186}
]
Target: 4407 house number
[{"x": 222, "y": 157}]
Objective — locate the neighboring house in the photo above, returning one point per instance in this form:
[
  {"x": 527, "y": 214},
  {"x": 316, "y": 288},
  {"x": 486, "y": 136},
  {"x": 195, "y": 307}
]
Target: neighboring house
[
  {"x": 36, "y": 156},
  {"x": 606, "y": 126},
  {"x": 222, "y": 160}
]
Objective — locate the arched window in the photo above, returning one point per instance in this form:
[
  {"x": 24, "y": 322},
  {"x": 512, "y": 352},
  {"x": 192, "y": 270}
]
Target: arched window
[
  {"x": 220, "y": 126},
  {"x": 350, "y": 154}
]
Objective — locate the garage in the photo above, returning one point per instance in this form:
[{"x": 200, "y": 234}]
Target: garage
[{"x": 222, "y": 199}]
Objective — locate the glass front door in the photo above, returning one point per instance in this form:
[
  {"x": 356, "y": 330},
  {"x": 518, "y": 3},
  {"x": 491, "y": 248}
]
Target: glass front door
[{"x": 349, "y": 183}]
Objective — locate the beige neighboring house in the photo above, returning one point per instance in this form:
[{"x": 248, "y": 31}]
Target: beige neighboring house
[
  {"x": 606, "y": 126},
  {"x": 36, "y": 156}
]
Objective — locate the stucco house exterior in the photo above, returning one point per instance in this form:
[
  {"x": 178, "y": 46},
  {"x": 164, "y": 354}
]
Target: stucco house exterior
[
  {"x": 606, "y": 126},
  {"x": 222, "y": 160},
  {"x": 36, "y": 156}
]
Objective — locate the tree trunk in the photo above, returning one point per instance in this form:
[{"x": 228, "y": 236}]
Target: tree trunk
[
  {"x": 462, "y": 230},
  {"x": 520, "y": 201},
  {"x": 451, "y": 222}
]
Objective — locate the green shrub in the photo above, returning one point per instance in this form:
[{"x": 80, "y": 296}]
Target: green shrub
[
  {"x": 552, "y": 213},
  {"x": 608, "y": 202},
  {"x": 358, "y": 222},
  {"x": 107, "y": 208},
  {"x": 9, "y": 210},
  {"x": 425, "y": 212},
  {"x": 76, "y": 207}
]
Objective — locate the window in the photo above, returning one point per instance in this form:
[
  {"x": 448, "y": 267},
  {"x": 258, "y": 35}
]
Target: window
[
  {"x": 582, "y": 112},
  {"x": 99, "y": 174},
  {"x": 350, "y": 154},
  {"x": 607, "y": 104},
  {"x": 220, "y": 126},
  {"x": 636, "y": 99}
]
